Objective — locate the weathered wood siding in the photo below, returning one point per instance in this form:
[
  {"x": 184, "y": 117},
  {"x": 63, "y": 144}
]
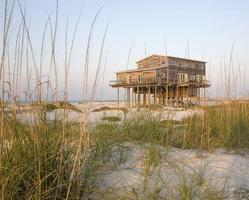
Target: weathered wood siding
[
  {"x": 176, "y": 66},
  {"x": 147, "y": 76},
  {"x": 152, "y": 62}
]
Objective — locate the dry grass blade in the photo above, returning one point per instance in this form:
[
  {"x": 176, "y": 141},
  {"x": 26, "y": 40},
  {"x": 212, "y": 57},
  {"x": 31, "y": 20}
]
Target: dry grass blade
[
  {"x": 97, "y": 74},
  {"x": 86, "y": 64}
]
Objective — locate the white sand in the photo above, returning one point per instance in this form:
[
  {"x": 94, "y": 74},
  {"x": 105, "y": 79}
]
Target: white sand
[
  {"x": 164, "y": 113},
  {"x": 220, "y": 168}
]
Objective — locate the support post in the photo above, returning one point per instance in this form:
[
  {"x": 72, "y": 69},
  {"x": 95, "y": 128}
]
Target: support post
[
  {"x": 138, "y": 97},
  {"x": 171, "y": 95},
  {"x": 144, "y": 97},
  {"x": 167, "y": 95},
  {"x": 132, "y": 97},
  {"x": 135, "y": 98},
  {"x": 204, "y": 96},
  {"x": 118, "y": 96},
  {"x": 155, "y": 95},
  {"x": 199, "y": 96},
  {"x": 128, "y": 97},
  {"x": 149, "y": 96},
  {"x": 177, "y": 97},
  {"x": 163, "y": 99}
]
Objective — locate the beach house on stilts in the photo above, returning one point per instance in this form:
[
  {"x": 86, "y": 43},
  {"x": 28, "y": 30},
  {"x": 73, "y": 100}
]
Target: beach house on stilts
[{"x": 163, "y": 80}]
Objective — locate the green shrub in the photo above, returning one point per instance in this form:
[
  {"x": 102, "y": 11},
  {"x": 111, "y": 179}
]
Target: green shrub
[
  {"x": 49, "y": 107},
  {"x": 111, "y": 118}
]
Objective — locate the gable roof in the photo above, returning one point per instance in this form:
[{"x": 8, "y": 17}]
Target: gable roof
[
  {"x": 167, "y": 56},
  {"x": 149, "y": 57}
]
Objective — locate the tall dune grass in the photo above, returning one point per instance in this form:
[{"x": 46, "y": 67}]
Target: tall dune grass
[
  {"x": 43, "y": 158},
  {"x": 221, "y": 126},
  {"x": 37, "y": 160}
]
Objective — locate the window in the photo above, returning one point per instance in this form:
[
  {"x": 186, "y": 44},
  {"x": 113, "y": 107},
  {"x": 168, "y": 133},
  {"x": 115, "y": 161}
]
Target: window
[
  {"x": 198, "y": 77},
  {"x": 140, "y": 65},
  {"x": 129, "y": 79},
  {"x": 173, "y": 62},
  {"x": 140, "y": 78},
  {"x": 151, "y": 64},
  {"x": 192, "y": 77},
  {"x": 180, "y": 64},
  {"x": 182, "y": 77},
  {"x": 185, "y": 77}
]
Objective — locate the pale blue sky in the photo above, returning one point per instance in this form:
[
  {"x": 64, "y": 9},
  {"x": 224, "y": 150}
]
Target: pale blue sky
[{"x": 209, "y": 26}]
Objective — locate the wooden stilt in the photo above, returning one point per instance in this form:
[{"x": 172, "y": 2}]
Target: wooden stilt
[
  {"x": 171, "y": 91},
  {"x": 138, "y": 96},
  {"x": 177, "y": 97},
  {"x": 118, "y": 96},
  {"x": 204, "y": 96},
  {"x": 198, "y": 95},
  {"x": 144, "y": 97},
  {"x": 149, "y": 96},
  {"x": 187, "y": 94},
  {"x": 128, "y": 98},
  {"x": 163, "y": 97},
  {"x": 155, "y": 95},
  {"x": 167, "y": 95},
  {"x": 132, "y": 97},
  {"x": 135, "y": 98}
]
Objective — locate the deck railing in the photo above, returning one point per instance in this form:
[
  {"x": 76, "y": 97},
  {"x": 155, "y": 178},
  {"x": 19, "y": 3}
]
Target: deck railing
[
  {"x": 153, "y": 80},
  {"x": 204, "y": 82},
  {"x": 131, "y": 81}
]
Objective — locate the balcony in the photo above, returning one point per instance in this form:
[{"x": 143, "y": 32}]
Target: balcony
[
  {"x": 200, "y": 83},
  {"x": 115, "y": 83},
  {"x": 194, "y": 83},
  {"x": 112, "y": 83}
]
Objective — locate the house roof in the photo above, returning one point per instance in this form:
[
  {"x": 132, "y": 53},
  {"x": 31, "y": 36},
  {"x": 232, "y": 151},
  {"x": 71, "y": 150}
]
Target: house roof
[
  {"x": 149, "y": 57},
  {"x": 154, "y": 68},
  {"x": 168, "y": 56},
  {"x": 140, "y": 69}
]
